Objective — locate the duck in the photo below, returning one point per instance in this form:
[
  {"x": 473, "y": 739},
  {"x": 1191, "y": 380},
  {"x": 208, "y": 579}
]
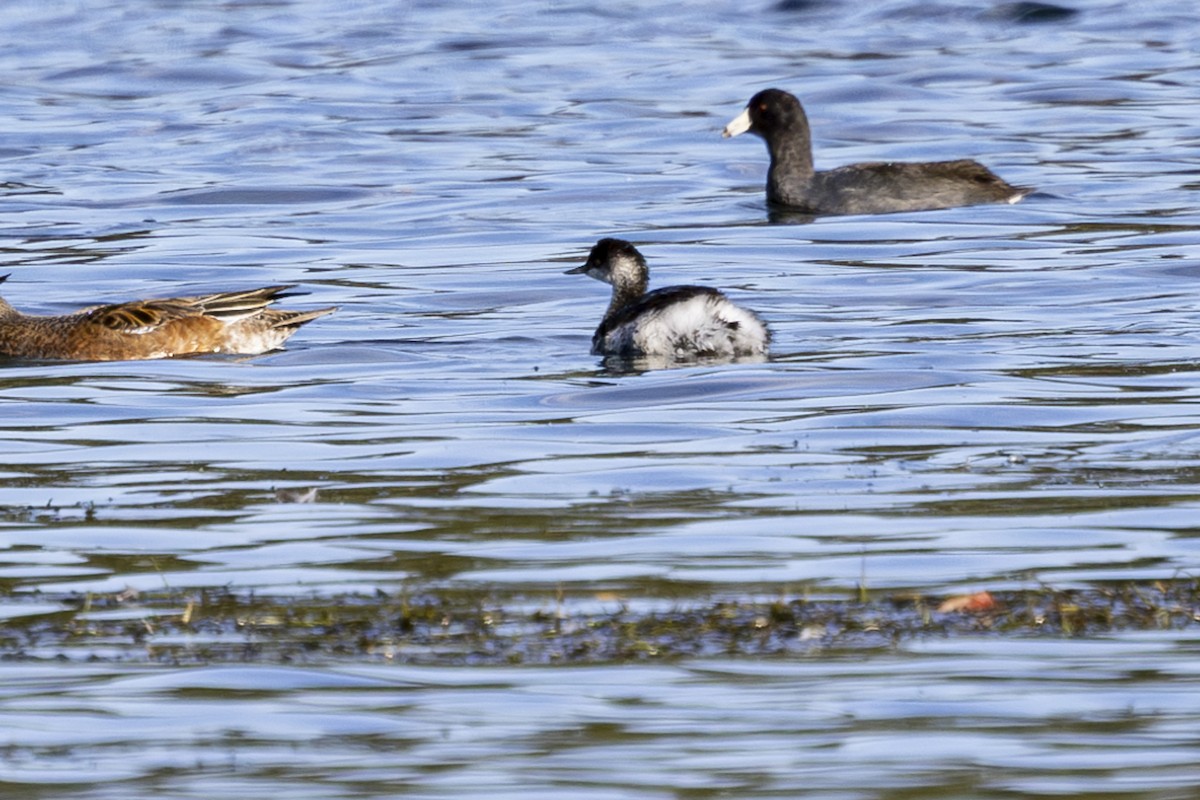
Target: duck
[
  {"x": 867, "y": 188},
  {"x": 226, "y": 322},
  {"x": 675, "y": 322}
]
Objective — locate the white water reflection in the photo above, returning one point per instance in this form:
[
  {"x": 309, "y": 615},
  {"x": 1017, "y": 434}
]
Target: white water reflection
[{"x": 744, "y": 727}]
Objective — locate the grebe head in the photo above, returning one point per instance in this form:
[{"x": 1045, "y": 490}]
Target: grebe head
[{"x": 617, "y": 262}]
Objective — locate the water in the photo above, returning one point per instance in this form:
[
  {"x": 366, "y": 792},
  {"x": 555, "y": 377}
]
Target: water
[{"x": 992, "y": 397}]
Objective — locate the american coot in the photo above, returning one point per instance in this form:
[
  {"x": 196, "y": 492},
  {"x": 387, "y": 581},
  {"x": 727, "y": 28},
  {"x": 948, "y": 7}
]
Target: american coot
[
  {"x": 871, "y": 188},
  {"x": 677, "y": 322},
  {"x": 230, "y": 322}
]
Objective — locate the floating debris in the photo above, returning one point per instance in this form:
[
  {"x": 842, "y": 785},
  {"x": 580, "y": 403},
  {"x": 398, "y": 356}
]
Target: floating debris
[
  {"x": 308, "y": 495},
  {"x": 463, "y": 626}
]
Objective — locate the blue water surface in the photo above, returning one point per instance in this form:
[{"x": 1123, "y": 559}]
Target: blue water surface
[{"x": 989, "y": 397}]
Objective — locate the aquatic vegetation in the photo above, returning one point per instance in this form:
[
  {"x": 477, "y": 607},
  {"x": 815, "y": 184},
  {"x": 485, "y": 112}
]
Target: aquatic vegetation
[{"x": 470, "y": 626}]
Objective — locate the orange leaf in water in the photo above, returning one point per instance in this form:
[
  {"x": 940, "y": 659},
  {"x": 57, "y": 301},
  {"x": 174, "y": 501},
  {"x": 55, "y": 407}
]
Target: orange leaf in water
[{"x": 968, "y": 603}]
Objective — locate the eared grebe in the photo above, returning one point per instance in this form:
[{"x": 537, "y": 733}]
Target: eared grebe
[
  {"x": 870, "y": 188},
  {"x": 677, "y": 322},
  {"x": 230, "y": 322}
]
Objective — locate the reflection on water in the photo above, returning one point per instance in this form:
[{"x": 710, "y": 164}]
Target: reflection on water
[
  {"x": 988, "y": 397},
  {"x": 722, "y": 726}
]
